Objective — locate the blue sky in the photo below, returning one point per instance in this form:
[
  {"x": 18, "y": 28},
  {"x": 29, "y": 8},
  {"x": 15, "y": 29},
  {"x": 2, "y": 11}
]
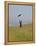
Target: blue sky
[{"x": 15, "y": 10}]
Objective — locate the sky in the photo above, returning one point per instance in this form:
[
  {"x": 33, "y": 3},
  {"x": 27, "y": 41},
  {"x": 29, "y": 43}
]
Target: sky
[{"x": 15, "y": 10}]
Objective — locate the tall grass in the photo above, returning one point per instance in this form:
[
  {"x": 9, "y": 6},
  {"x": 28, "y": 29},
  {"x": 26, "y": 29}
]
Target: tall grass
[{"x": 19, "y": 34}]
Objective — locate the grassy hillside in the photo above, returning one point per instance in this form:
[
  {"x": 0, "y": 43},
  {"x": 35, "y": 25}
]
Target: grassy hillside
[{"x": 19, "y": 34}]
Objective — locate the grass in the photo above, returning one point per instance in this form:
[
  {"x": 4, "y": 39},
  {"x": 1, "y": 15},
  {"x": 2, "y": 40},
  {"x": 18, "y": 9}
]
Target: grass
[{"x": 20, "y": 34}]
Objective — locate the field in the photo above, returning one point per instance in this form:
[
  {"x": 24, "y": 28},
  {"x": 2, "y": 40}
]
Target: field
[{"x": 20, "y": 34}]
